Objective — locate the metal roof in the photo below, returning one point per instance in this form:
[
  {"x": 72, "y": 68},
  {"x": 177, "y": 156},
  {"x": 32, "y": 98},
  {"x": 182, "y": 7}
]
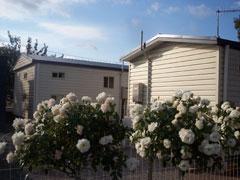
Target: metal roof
[
  {"x": 76, "y": 62},
  {"x": 160, "y": 38}
]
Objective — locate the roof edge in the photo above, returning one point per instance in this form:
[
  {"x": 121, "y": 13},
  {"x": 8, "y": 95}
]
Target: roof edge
[{"x": 168, "y": 38}]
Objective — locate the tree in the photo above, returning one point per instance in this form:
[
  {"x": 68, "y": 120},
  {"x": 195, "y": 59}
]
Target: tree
[
  {"x": 9, "y": 55},
  {"x": 237, "y": 26}
]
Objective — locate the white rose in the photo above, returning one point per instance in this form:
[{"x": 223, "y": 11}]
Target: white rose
[
  {"x": 10, "y": 157},
  {"x": 71, "y": 97},
  {"x": 199, "y": 124},
  {"x": 2, "y": 147},
  {"x": 136, "y": 110},
  {"x": 64, "y": 108},
  {"x": 106, "y": 140},
  {"x": 187, "y": 95},
  {"x": 29, "y": 128},
  {"x": 231, "y": 142},
  {"x": 18, "y": 123},
  {"x": 157, "y": 106},
  {"x": 55, "y": 109},
  {"x": 105, "y": 107},
  {"x": 208, "y": 149},
  {"x": 175, "y": 103},
  {"x": 214, "y": 110},
  {"x": 86, "y": 99},
  {"x": 237, "y": 134},
  {"x": 152, "y": 126},
  {"x": 18, "y": 138},
  {"x": 101, "y": 97},
  {"x": 167, "y": 143},
  {"x": 110, "y": 100},
  {"x": 145, "y": 142},
  {"x": 79, "y": 129},
  {"x": 83, "y": 145},
  {"x": 178, "y": 93},
  {"x": 214, "y": 136},
  {"x": 181, "y": 108},
  {"x": 225, "y": 105},
  {"x": 159, "y": 155},
  {"x": 234, "y": 114},
  {"x": 187, "y": 136},
  {"x": 58, "y": 118},
  {"x": 36, "y": 116},
  {"x": 184, "y": 165},
  {"x": 40, "y": 107},
  {"x": 63, "y": 101},
  {"x": 174, "y": 122},
  {"x": 132, "y": 164},
  {"x": 51, "y": 102}
]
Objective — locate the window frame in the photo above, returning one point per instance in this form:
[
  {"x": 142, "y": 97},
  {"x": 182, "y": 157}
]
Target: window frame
[{"x": 108, "y": 82}]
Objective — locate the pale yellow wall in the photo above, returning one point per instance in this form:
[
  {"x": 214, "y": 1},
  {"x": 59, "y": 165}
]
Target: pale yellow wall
[
  {"x": 24, "y": 86},
  {"x": 137, "y": 74},
  {"x": 178, "y": 66},
  {"x": 233, "y": 90},
  {"x": 80, "y": 80}
]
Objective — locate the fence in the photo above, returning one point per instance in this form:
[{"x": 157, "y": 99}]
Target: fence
[{"x": 231, "y": 171}]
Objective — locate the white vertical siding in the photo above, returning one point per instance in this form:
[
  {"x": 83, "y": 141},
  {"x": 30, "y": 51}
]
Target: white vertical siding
[
  {"x": 24, "y": 87},
  {"x": 233, "y": 89},
  {"x": 80, "y": 80}
]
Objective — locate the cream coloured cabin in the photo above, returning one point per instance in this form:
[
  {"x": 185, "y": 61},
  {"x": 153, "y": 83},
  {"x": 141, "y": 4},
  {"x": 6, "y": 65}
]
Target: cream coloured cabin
[
  {"x": 207, "y": 66},
  {"x": 38, "y": 78}
]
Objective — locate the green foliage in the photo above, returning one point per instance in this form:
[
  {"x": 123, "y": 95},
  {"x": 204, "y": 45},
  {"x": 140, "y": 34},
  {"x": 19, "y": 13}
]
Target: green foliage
[
  {"x": 58, "y": 132},
  {"x": 237, "y": 26}
]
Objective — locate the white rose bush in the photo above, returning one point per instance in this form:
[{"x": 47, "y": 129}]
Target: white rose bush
[
  {"x": 184, "y": 131},
  {"x": 71, "y": 136}
]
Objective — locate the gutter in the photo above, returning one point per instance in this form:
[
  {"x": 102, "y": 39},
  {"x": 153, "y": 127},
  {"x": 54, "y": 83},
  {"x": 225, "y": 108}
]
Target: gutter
[{"x": 225, "y": 78}]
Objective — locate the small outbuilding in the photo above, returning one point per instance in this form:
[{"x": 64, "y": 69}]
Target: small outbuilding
[
  {"x": 38, "y": 78},
  {"x": 207, "y": 66}
]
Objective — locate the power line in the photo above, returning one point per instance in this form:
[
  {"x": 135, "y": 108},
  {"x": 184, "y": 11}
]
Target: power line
[{"x": 222, "y": 12}]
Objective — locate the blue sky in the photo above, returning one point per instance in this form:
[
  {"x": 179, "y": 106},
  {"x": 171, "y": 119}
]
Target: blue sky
[{"x": 105, "y": 30}]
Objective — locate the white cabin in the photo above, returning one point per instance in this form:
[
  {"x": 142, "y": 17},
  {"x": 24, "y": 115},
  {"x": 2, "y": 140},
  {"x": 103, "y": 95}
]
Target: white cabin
[
  {"x": 38, "y": 78},
  {"x": 207, "y": 66}
]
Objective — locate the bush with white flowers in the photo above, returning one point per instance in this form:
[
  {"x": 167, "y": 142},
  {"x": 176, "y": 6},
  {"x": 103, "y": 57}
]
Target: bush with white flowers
[
  {"x": 227, "y": 119},
  {"x": 71, "y": 136},
  {"x": 178, "y": 131}
]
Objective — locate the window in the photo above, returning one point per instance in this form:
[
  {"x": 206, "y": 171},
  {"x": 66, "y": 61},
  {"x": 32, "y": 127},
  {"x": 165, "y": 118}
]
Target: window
[
  {"x": 25, "y": 76},
  {"x": 58, "y": 75},
  {"x": 61, "y": 75},
  {"x": 108, "y": 82},
  {"x": 54, "y": 75}
]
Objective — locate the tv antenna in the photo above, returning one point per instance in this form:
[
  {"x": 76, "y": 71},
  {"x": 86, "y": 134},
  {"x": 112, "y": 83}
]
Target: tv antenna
[{"x": 222, "y": 12}]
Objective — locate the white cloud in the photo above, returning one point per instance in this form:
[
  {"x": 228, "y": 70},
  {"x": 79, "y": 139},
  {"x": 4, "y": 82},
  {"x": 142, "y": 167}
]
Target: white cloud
[
  {"x": 82, "y": 32},
  {"x": 237, "y": 3},
  {"x": 154, "y": 7},
  {"x": 123, "y": 2},
  {"x": 200, "y": 10},
  {"x": 25, "y": 9},
  {"x": 172, "y": 9},
  {"x": 135, "y": 22}
]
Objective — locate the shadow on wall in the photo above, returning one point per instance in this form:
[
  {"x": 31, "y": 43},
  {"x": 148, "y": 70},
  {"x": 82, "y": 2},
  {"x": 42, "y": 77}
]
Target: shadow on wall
[{"x": 23, "y": 97}]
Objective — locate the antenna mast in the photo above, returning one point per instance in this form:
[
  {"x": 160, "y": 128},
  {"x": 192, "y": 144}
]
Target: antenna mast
[{"x": 222, "y": 12}]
